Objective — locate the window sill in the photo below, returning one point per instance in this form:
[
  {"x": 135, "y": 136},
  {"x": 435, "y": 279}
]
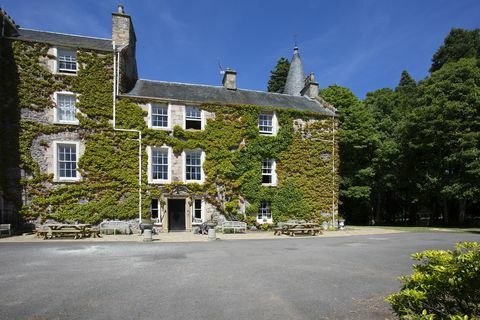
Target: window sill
[
  {"x": 269, "y": 184},
  {"x": 66, "y": 73},
  {"x": 159, "y": 181},
  {"x": 160, "y": 128},
  {"x": 73, "y": 123},
  {"x": 194, "y": 181},
  {"x": 64, "y": 180}
]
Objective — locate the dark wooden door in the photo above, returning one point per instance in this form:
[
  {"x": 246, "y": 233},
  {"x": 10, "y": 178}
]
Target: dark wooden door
[{"x": 176, "y": 214}]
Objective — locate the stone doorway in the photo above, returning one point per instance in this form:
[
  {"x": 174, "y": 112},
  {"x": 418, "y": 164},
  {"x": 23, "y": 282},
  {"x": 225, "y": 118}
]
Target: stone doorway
[{"x": 176, "y": 214}]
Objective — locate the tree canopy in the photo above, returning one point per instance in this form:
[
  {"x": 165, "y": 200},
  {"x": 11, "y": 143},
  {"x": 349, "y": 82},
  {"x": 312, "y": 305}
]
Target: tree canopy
[
  {"x": 411, "y": 154},
  {"x": 459, "y": 43}
]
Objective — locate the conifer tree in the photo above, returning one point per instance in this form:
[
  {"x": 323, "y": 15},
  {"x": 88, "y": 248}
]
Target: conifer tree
[{"x": 278, "y": 76}]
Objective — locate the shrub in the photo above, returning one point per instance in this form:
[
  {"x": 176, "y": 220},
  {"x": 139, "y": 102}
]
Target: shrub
[
  {"x": 251, "y": 220},
  {"x": 444, "y": 285},
  {"x": 265, "y": 227}
]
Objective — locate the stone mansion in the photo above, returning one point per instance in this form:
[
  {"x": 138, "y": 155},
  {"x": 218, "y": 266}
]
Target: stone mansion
[{"x": 83, "y": 138}]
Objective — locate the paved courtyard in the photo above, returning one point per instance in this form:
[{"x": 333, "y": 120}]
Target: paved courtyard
[{"x": 303, "y": 278}]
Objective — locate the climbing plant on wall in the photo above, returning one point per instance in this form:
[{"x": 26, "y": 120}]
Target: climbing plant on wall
[{"x": 109, "y": 165}]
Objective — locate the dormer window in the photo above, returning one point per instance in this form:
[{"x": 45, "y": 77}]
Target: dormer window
[
  {"x": 193, "y": 118},
  {"x": 66, "y": 61},
  {"x": 267, "y": 123}
]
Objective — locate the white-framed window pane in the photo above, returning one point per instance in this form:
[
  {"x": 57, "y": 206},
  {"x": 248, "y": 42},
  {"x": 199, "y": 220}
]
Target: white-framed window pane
[
  {"x": 265, "y": 211},
  {"x": 67, "y": 61},
  {"x": 67, "y": 160},
  {"x": 193, "y": 118},
  {"x": 267, "y": 170},
  {"x": 197, "y": 210},
  {"x": 159, "y": 164},
  {"x": 193, "y": 165},
  {"x": 159, "y": 116},
  {"x": 265, "y": 123},
  {"x": 66, "y": 110},
  {"x": 193, "y": 113}
]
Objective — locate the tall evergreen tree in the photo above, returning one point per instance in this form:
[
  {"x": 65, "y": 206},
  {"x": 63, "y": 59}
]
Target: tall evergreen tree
[
  {"x": 357, "y": 143},
  {"x": 278, "y": 76},
  {"x": 407, "y": 84},
  {"x": 444, "y": 134},
  {"x": 459, "y": 43}
]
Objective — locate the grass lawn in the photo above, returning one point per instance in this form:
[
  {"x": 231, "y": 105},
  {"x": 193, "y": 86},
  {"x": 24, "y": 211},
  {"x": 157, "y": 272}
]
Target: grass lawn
[{"x": 420, "y": 229}]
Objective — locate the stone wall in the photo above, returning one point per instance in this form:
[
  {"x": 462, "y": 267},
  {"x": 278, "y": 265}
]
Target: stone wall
[{"x": 42, "y": 149}]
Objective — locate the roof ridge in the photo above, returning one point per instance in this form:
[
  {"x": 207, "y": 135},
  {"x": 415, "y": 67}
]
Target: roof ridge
[
  {"x": 67, "y": 34},
  {"x": 239, "y": 89},
  {"x": 176, "y": 82}
]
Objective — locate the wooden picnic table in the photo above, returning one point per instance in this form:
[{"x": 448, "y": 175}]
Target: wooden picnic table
[
  {"x": 295, "y": 228},
  {"x": 78, "y": 230}
]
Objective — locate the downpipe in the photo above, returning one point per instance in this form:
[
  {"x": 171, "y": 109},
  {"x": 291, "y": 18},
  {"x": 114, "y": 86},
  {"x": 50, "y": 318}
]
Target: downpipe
[{"x": 116, "y": 72}]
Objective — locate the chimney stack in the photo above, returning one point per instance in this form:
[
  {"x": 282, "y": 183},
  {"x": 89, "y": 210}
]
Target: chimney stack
[
  {"x": 123, "y": 33},
  {"x": 311, "y": 87},
  {"x": 123, "y": 36},
  {"x": 230, "y": 79}
]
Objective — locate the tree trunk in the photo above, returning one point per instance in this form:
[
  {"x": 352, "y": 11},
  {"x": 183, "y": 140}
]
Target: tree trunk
[
  {"x": 461, "y": 210},
  {"x": 378, "y": 213},
  {"x": 446, "y": 217}
]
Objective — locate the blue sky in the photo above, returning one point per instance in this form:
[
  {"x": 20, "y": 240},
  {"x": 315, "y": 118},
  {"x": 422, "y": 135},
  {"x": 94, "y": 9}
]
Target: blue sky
[{"x": 363, "y": 44}]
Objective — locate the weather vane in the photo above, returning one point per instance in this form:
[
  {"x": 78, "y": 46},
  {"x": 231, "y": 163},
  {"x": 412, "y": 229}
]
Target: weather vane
[{"x": 295, "y": 36}]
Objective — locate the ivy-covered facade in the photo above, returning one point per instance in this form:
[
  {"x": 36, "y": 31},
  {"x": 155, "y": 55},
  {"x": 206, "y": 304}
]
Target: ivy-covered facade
[{"x": 83, "y": 139}]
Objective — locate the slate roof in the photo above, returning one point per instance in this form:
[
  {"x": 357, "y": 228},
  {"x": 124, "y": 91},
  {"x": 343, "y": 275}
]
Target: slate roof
[
  {"x": 195, "y": 93},
  {"x": 65, "y": 40},
  {"x": 296, "y": 75}
]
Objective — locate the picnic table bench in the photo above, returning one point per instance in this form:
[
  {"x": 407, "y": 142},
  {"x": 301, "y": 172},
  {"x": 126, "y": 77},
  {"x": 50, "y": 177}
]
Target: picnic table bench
[
  {"x": 292, "y": 229},
  {"x": 55, "y": 230},
  {"x": 312, "y": 231}
]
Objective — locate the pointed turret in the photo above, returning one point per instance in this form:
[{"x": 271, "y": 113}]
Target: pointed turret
[{"x": 296, "y": 75}]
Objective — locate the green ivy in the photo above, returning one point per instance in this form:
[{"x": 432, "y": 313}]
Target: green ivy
[{"x": 109, "y": 166}]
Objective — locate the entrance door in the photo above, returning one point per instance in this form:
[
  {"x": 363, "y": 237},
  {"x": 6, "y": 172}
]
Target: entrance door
[{"x": 176, "y": 214}]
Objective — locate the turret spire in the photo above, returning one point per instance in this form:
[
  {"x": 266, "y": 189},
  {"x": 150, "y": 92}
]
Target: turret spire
[{"x": 296, "y": 75}]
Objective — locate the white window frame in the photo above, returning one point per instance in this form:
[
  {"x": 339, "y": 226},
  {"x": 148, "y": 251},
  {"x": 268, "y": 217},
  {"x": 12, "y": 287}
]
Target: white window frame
[
  {"x": 202, "y": 118},
  {"x": 202, "y": 216},
  {"x": 149, "y": 169},
  {"x": 184, "y": 166},
  {"x": 264, "y": 218},
  {"x": 56, "y": 174},
  {"x": 55, "y": 112},
  {"x": 56, "y": 52},
  {"x": 159, "y": 209},
  {"x": 169, "y": 116},
  {"x": 274, "y": 123},
  {"x": 273, "y": 174}
]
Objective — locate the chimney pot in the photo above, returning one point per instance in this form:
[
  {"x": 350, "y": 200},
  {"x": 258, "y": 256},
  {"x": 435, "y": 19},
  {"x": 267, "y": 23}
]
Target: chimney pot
[{"x": 121, "y": 9}]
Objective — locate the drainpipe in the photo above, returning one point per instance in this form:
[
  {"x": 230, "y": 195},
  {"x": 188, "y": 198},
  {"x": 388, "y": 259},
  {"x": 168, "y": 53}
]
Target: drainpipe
[
  {"x": 333, "y": 171},
  {"x": 116, "y": 72}
]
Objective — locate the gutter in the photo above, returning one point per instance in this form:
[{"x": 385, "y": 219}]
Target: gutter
[{"x": 116, "y": 73}]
